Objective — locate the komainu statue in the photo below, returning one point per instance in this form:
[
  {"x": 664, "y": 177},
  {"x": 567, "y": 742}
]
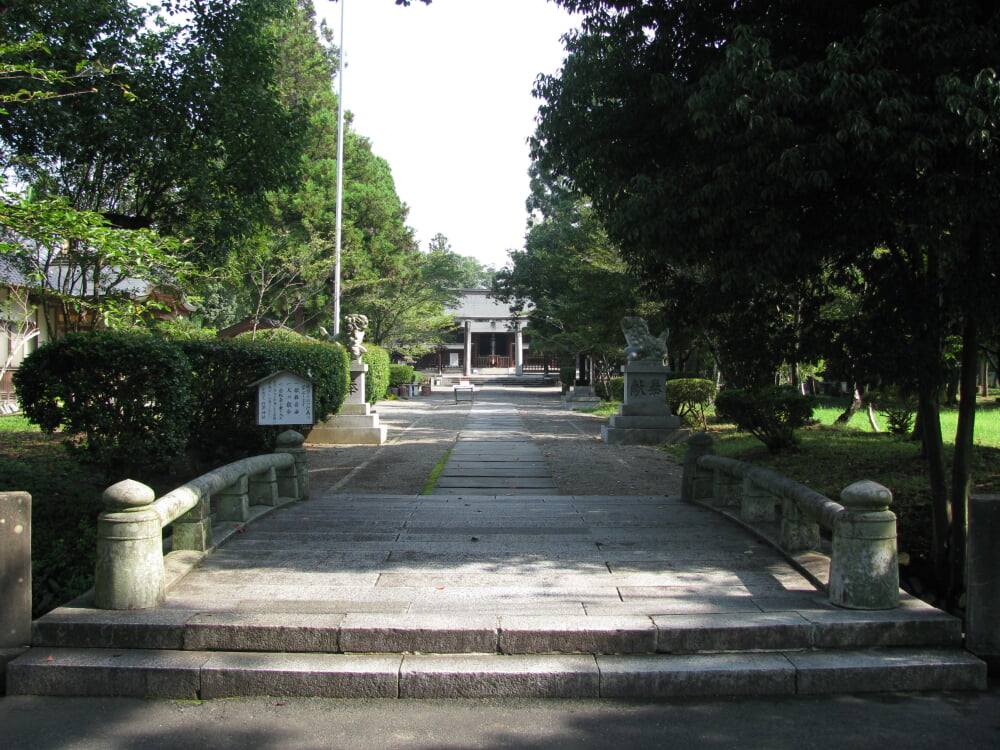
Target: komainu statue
[
  {"x": 641, "y": 343},
  {"x": 355, "y": 326}
]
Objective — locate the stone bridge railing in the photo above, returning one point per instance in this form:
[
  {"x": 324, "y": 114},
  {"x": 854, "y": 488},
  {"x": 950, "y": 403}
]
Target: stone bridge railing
[
  {"x": 130, "y": 571},
  {"x": 863, "y": 570}
]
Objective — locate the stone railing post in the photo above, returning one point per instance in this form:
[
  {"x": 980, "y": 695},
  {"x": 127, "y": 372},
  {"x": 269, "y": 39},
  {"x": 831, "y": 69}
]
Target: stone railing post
[
  {"x": 129, "y": 572},
  {"x": 864, "y": 570},
  {"x": 233, "y": 503},
  {"x": 982, "y": 614},
  {"x": 757, "y": 503},
  {"x": 727, "y": 490},
  {"x": 264, "y": 488},
  {"x": 193, "y": 530},
  {"x": 294, "y": 482},
  {"x": 15, "y": 571},
  {"x": 799, "y": 532},
  {"x": 696, "y": 484}
]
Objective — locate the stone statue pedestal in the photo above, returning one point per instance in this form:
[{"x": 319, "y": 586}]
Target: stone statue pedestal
[
  {"x": 356, "y": 423},
  {"x": 645, "y": 417},
  {"x": 581, "y": 398}
]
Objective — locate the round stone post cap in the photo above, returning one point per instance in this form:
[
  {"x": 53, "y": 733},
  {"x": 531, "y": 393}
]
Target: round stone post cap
[
  {"x": 128, "y": 494},
  {"x": 866, "y": 495},
  {"x": 290, "y": 439}
]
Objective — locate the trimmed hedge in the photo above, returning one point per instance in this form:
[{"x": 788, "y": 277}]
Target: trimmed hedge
[
  {"x": 224, "y": 414},
  {"x": 377, "y": 377},
  {"x": 136, "y": 403},
  {"x": 567, "y": 376},
  {"x": 123, "y": 398},
  {"x": 614, "y": 390},
  {"x": 400, "y": 375}
]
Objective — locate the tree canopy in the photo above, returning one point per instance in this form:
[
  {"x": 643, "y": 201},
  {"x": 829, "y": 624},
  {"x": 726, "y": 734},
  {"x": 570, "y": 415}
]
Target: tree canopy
[
  {"x": 759, "y": 160},
  {"x": 214, "y": 121},
  {"x": 198, "y": 145}
]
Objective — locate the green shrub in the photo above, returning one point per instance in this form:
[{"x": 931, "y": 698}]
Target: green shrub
[
  {"x": 224, "y": 418},
  {"x": 567, "y": 376},
  {"x": 377, "y": 377},
  {"x": 896, "y": 406},
  {"x": 124, "y": 399},
  {"x": 275, "y": 336},
  {"x": 613, "y": 390},
  {"x": 65, "y": 504},
  {"x": 400, "y": 375},
  {"x": 770, "y": 414},
  {"x": 689, "y": 397},
  {"x": 182, "y": 329}
]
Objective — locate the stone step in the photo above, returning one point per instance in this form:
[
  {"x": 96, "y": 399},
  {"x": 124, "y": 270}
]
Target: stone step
[
  {"x": 502, "y": 482},
  {"x": 284, "y": 627},
  {"x": 220, "y": 674}
]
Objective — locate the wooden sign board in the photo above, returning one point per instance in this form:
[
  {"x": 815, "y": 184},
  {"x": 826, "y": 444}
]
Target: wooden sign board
[{"x": 284, "y": 399}]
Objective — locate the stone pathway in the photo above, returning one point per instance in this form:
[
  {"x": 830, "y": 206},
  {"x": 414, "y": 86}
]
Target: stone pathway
[{"x": 495, "y": 455}]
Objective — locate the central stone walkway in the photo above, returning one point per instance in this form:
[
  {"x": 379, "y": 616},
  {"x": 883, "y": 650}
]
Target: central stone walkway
[{"x": 495, "y": 455}]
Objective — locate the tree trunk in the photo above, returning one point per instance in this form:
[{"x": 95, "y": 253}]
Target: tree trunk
[
  {"x": 871, "y": 418},
  {"x": 933, "y": 448},
  {"x": 961, "y": 467},
  {"x": 853, "y": 408}
]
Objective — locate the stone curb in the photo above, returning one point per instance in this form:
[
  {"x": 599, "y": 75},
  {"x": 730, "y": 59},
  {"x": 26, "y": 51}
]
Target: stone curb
[{"x": 197, "y": 675}]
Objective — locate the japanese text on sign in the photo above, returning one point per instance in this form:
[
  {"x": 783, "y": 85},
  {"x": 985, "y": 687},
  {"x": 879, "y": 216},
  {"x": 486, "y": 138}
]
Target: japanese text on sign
[{"x": 285, "y": 399}]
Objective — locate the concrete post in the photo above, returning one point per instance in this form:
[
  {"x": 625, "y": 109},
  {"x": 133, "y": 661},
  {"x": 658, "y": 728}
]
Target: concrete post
[
  {"x": 233, "y": 503},
  {"x": 264, "y": 488},
  {"x": 468, "y": 348},
  {"x": 291, "y": 442},
  {"x": 15, "y": 570},
  {"x": 518, "y": 349},
  {"x": 129, "y": 572},
  {"x": 696, "y": 484},
  {"x": 726, "y": 490},
  {"x": 757, "y": 503},
  {"x": 798, "y": 531},
  {"x": 193, "y": 530},
  {"x": 982, "y": 614},
  {"x": 864, "y": 569}
]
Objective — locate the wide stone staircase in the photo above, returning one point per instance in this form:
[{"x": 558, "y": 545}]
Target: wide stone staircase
[{"x": 496, "y": 585}]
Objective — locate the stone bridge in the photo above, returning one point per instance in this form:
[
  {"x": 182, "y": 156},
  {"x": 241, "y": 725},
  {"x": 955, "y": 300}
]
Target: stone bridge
[{"x": 490, "y": 549}]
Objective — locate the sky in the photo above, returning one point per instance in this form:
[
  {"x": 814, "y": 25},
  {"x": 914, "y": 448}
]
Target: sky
[{"x": 443, "y": 91}]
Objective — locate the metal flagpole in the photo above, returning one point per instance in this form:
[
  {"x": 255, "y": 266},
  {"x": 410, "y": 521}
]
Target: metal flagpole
[{"x": 340, "y": 175}]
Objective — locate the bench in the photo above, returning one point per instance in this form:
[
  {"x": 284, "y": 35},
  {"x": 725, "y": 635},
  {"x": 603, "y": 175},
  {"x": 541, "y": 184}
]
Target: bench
[{"x": 464, "y": 386}]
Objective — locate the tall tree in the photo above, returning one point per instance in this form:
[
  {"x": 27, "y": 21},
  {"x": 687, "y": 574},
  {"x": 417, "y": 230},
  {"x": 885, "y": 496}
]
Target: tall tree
[
  {"x": 205, "y": 137},
  {"x": 768, "y": 143},
  {"x": 407, "y": 311},
  {"x": 89, "y": 274},
  {"x": 570, "y": 280}
]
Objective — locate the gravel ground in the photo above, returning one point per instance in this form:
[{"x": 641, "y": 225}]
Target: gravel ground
[{"x": 422, "y": 431}]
